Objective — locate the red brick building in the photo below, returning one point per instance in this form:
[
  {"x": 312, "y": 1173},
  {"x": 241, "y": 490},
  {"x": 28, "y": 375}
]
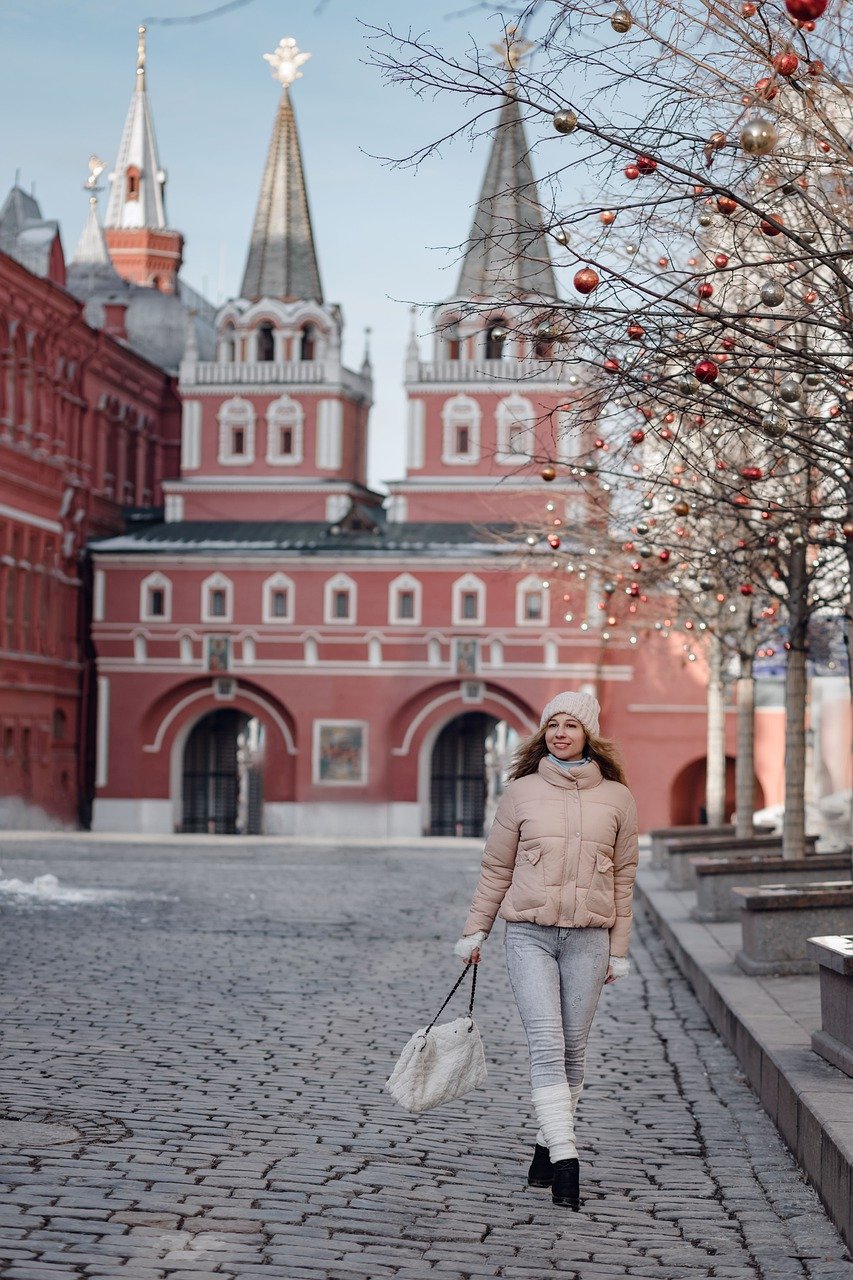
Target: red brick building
[
  {"x": 287, "y": 652},
  {"x": 87, "y": 427}
]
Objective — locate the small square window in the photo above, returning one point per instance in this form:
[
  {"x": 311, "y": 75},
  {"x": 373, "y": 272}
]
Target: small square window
[
  {"x": 469, "y": 604},
  {"x": 156, "y": 602},
  {"x": 406, "y": 604},
  {"x": 217, "y": 603},
  {"x": 279, "y": 604},
  {"x": 341, "y": 604}
]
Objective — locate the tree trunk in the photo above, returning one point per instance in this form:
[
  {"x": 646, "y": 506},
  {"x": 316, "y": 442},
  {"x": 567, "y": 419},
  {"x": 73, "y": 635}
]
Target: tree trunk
[
  {"x": 715, "y": 779},
  {"x": 745, "y": 763},
  {"x": 794, "y": 830}
]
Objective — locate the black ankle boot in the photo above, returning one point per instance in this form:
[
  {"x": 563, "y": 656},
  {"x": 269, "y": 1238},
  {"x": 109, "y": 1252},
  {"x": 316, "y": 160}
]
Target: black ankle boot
[
  {"x": 541, "y": 1171},
  {"x": 566, "y": 1184}
]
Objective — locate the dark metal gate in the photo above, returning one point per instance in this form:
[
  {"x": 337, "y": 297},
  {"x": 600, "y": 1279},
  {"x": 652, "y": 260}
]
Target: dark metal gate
[
  {"x": 222, "y": 783},
  {"x": 458, "y": 782}
]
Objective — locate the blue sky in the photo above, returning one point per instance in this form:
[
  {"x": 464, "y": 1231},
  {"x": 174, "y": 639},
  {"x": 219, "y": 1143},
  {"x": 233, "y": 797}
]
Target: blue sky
[{"x": 66, "y": 75}]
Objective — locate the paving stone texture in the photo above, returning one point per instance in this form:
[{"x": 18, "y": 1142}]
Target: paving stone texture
[{"x": 217, "y": 1045}]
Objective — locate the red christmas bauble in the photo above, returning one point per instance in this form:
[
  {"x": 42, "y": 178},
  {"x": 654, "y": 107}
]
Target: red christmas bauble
[
  {"x": 726, "y": 205},
  {"x": 611, "y": 365},
  {"x": 816, "y": 68},
  {"x": 553, "y": 541},
  {"x": 638, "y": 436},
  {"x": 721, "y": 260},
  {"x": 786, "y": 63},
  {"x": 751, "y": 473},
  {"x": 706, "y": 371},
  {"x": 705, "y": 290},
  {"x": 768, "y": 229},
  {"x": 664, "y": 555},
  {"x": 607, "y": 217},
  {"x": 666, "y": 434},
  {"x": 636, "y": 331},
  {"x": 586, "y": 280},
  {"x": 631, "y": 171},
  {"x": 765, "y": 89},
  {"x": 746, "y": 589},
  {"x": 646, "y": 164},
  {"x": 805, "y": 10}
]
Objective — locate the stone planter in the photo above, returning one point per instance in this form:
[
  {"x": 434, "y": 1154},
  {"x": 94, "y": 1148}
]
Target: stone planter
[
  {"x": 834, "y": 1041},
  {"x": 777, "y": 922},
  {"x": 661, "y": 835},
  {"x": 716, "y": 877},
  {"x": 679, "y": 854}
]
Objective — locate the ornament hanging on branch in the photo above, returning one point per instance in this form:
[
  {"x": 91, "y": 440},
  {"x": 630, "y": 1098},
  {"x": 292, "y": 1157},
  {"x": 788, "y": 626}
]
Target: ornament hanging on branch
[
  {"x": 621, "y": 21},
  {"x": 586, "y": 280},
  {"x": 758, "y": 136},
  {"x": 806, "y": 10},
  {"x": 565, "y": 121}
]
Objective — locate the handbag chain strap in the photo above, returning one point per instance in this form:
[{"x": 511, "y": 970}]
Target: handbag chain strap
[{"x": 456, "y": 986}]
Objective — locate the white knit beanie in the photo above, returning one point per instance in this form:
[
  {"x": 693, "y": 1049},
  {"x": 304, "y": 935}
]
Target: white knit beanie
[{"x": 583, "y": 706}]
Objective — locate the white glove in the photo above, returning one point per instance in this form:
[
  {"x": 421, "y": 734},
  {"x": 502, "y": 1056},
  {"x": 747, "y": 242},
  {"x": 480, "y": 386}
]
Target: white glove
[
  {"x": 620, "y": 966},
  {"x": 465, "y": 946}
]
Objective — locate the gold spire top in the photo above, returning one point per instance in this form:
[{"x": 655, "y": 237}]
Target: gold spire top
[
  {"x": 140, "y": 58},
  {"x": 286, "y": 61},
  {"x": 512, "y": 49}
]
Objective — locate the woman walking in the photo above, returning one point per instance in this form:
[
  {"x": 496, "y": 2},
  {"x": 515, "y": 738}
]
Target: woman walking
[{"x": 559, "y": 867}]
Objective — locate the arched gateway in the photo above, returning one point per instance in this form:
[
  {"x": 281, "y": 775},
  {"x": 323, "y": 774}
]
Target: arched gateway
[
  {"x": 467, "y": 765},
  {"x": 222, "y": 781}
]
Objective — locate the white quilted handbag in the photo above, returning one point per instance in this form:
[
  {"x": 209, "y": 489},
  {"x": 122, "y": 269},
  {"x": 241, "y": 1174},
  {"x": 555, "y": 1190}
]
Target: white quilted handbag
[{"x": 441, "y": 1063}]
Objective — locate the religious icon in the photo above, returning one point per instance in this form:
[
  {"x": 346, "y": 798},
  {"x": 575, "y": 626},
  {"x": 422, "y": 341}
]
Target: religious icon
[
  {"x": 218, "y": 653},
  {"x": 339, "y": 752}
]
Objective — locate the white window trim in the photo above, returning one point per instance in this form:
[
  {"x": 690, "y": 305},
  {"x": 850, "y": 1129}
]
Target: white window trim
[
  {"x": 285, "y": 412},
  {"x": 405, "y": 582},
  {"x": 461, "y": 587},
  {"x": 278, "y": 582},
  {"x": 515, "y": 412},
  {"x": 522, "y": 589},
  {"x": 227, "y": 421},
  {"x": 460, "y": 411},
  {"x": 218, "y": 582},
  {"x": 155, "y": 580},
  {"x": 315, "y": 753},
  {"x": 340, "y": 582}
]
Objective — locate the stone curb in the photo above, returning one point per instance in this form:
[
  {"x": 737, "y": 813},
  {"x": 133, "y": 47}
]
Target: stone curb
[{"x": 810, "y": 1102}]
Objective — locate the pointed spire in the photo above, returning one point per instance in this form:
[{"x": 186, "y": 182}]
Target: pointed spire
[
  {"x": 91, "y": 247},
  {"x": 507, "y": 252},
  {"x": 137, "y": 183},
  {"x": 413, "y": 353},
  {"x": 282, "y": 261}
]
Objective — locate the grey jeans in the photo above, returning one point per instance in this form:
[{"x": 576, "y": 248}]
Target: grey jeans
[{"x": 556, "y": 977}]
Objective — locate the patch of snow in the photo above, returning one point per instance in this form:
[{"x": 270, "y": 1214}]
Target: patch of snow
[{"x": 46, "y": 888}]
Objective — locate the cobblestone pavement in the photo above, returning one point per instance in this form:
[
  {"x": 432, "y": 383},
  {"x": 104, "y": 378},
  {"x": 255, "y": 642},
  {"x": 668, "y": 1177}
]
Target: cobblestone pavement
[{"x": 218, "y": 1045}]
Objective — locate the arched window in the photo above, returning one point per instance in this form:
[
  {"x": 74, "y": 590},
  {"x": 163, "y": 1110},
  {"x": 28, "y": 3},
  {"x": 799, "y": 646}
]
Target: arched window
[
  {"x": 339, "y": 599},
  {"x": 228, "y": 345},
  {"x": 217, "y": 598},
  {"x": 531, "y": 603},
  {"x": 278, "y": 599},
  {"x": 236, "y": 432},
  {"x": 131, "y": 188},
  {"x": 404, "y": 600},
  {"x": 516, "y": 430},
  {"x": 284, "y": 432},
  {"x": 496, "y": 336},
  {"x": 307, "y": 342},
  {"x": 543, "y": 342},
  {"x": 452, "y": 341},
  {"x": 155, "y": 598},
  {"x": 60, "y": 726},
  {"x": 469, "y": 601},
  {"x": 265, "y": 343},
  {"x": 461, "y": 438}
]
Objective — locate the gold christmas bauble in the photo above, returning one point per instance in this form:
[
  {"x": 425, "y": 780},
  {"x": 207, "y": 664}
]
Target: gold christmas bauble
[
  {"x": 758, "y": 136},
  {"x": 621, "y": 21},
  {"x": 565, "y": 122}
]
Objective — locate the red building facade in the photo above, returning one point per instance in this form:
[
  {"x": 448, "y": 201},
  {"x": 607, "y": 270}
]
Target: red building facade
[
  {"x": 87, "y": 427},
  {"x": 286, "y": 651}
]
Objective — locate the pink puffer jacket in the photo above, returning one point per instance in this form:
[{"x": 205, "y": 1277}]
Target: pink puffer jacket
[{"x": 562, "y": 851}]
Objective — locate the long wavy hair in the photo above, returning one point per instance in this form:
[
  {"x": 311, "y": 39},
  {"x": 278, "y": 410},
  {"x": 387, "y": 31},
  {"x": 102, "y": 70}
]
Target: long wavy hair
[{"x": 603, "y": 751}]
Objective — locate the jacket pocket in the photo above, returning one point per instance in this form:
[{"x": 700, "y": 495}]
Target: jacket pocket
[
  {"x": 528, "y": 892},
  {"x": 601, "y": 899}
]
